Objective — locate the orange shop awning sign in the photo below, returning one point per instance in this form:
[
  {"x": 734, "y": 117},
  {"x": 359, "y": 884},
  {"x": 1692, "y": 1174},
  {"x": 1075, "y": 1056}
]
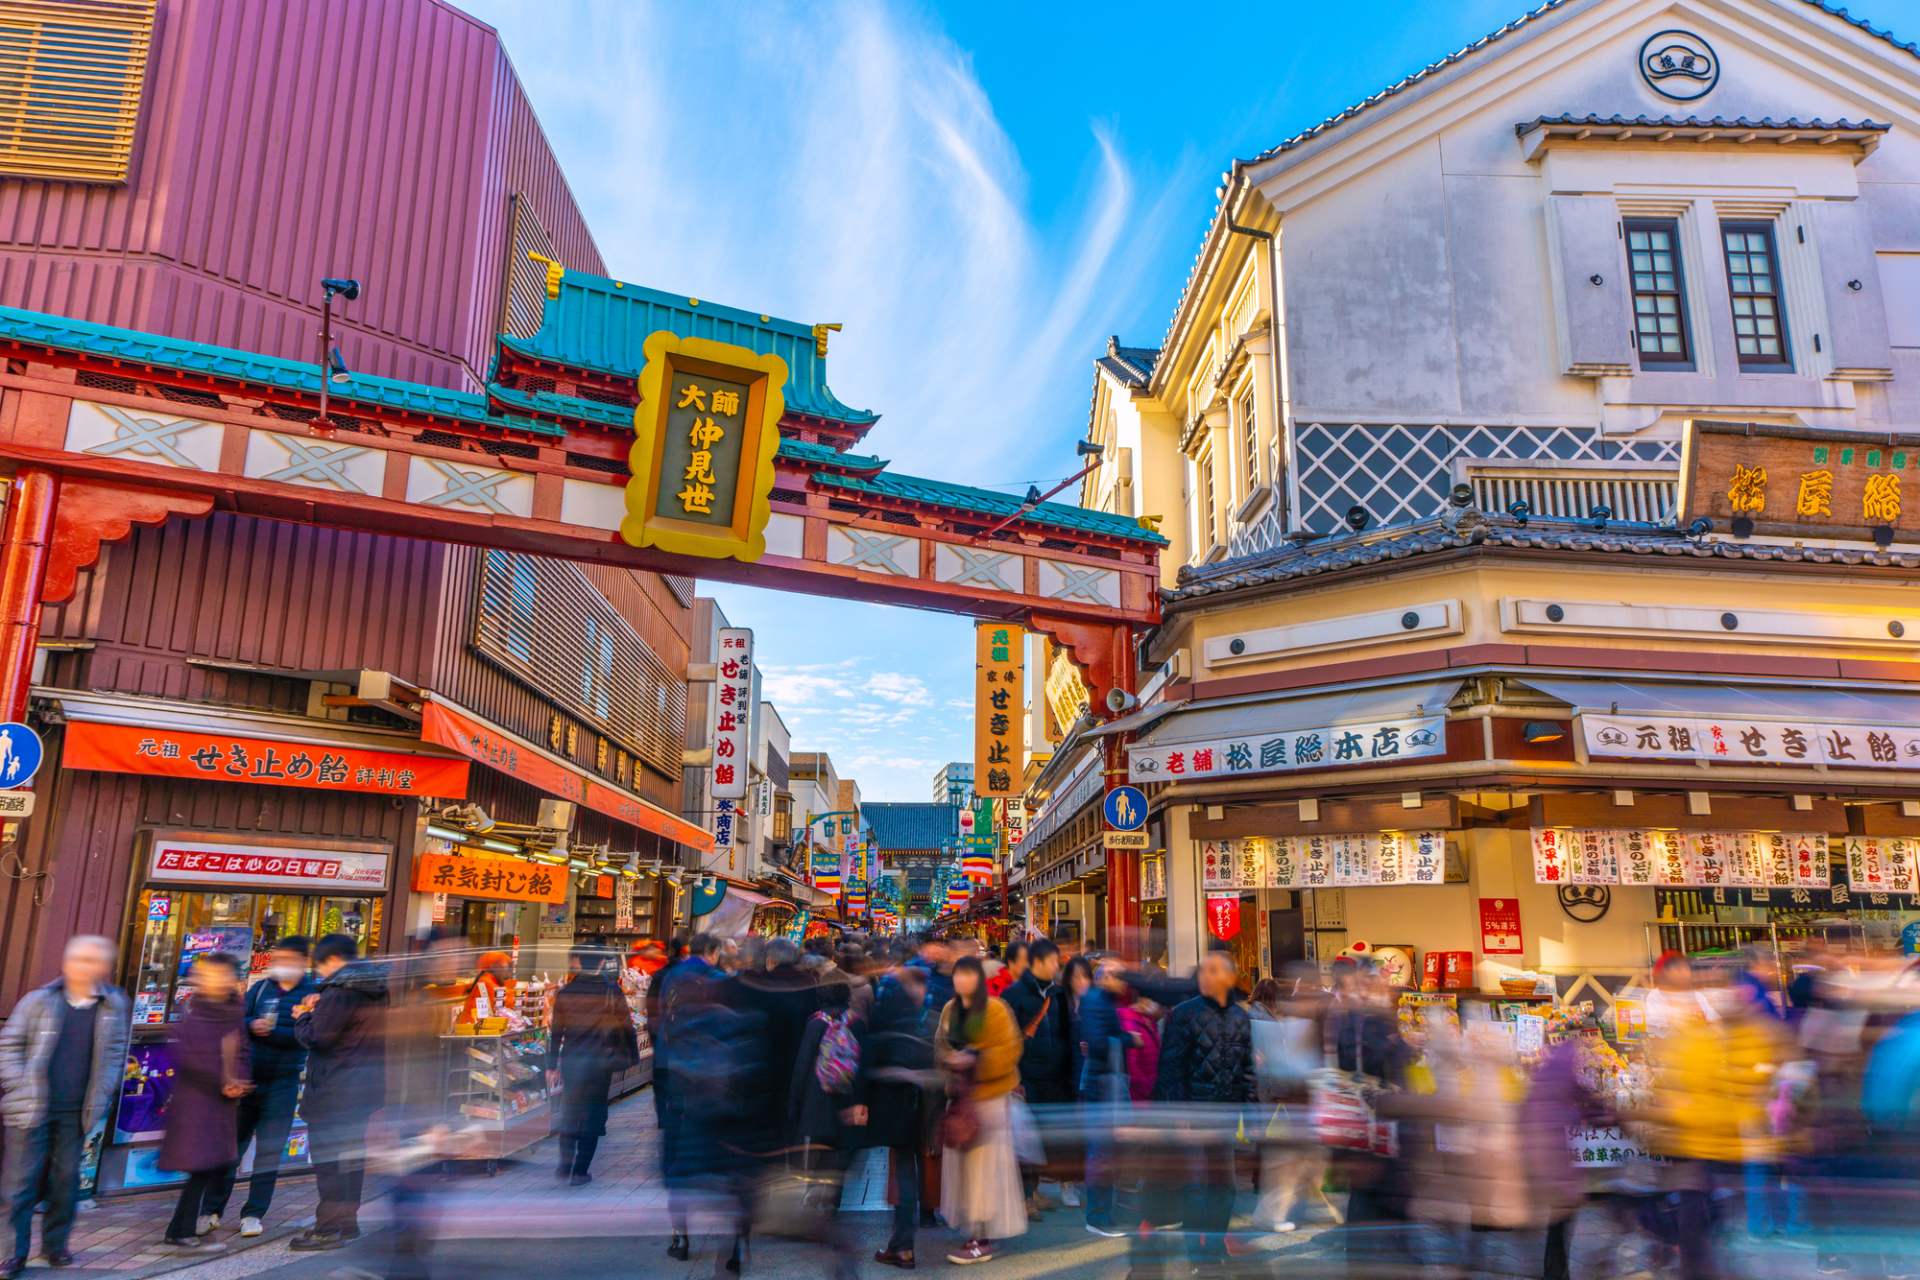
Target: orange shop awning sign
[
  {"x": 509, "y": 754},
  {"x": 211, "y": 757},
  {"x": 503, "y": 879}
]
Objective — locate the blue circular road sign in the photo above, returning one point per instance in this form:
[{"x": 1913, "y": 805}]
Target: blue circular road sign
[
  {"x": 20, "y": 754},
  {"x": 1126, "y": 808}
]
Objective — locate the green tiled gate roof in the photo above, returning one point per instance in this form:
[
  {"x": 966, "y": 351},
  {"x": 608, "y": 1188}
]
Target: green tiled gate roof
[
  {"x": 601, "y": 324},
  {"x": 986, "y": 502},
  {"x": 151, "y": 349}
]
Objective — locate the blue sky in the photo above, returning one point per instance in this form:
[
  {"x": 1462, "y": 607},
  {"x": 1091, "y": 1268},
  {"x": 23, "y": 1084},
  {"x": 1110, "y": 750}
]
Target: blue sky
[{"x": 980, "y": 192}]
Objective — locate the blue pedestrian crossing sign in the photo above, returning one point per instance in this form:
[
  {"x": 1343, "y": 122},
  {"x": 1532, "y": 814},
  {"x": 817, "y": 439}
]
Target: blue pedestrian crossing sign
[
  {"x": 20, "y": 754},
  {"x": 1126, "y": 808}
]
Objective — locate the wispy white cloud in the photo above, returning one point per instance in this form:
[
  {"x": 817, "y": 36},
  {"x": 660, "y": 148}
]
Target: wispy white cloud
[{"x": 840, "y": 164}]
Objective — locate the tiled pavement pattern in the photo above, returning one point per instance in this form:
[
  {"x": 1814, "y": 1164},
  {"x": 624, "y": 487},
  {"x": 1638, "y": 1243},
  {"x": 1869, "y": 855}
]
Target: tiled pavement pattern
[{"x": 120, "y": 1236}]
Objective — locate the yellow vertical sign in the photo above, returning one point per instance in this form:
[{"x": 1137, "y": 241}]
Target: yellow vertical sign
[{"x": 999, "y": 702}]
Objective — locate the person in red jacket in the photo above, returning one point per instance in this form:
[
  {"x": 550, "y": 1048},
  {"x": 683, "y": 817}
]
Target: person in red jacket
[{"x": 1012, "y": 965}]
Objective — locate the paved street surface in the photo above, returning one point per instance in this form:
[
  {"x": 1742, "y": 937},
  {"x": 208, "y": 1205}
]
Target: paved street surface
[{"x": 520, "y": 1223}]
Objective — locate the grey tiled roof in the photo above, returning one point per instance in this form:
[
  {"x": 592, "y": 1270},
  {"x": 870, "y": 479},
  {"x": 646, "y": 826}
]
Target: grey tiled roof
[
  {"x": 1133, "y": 366},
  {"x": 1436, "y": 536},
  {"x": 1701, "y": 122},
  {"x": 911, "y": 826}
]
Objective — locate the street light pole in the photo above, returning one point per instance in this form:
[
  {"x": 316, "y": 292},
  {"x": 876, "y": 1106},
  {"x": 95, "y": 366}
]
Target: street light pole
[{"x": 332, "y": 367}]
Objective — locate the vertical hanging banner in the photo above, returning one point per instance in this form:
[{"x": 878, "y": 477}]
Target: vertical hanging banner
[
  {"x": 733, "y": 713},
  {"x": 999, "y": 749}
]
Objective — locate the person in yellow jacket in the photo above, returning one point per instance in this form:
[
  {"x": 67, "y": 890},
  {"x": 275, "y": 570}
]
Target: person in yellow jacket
[
  {"x": 978, "y": 1044},
  {"x": 1715, "y": 1071}
]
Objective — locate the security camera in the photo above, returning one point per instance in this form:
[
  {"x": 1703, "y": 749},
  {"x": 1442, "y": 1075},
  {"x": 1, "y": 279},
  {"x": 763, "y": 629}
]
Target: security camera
[
  {"x": 1119, "y": 701},
  {"x": 1357, "y": 518},
  {"x": 348, "y": 289}
]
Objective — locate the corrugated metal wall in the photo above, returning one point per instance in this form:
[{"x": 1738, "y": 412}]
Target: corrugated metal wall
[
  {"x": 103, "y": 816},
  {"x": 377, "y": 139},
  {"x": 240, "y": 589}
]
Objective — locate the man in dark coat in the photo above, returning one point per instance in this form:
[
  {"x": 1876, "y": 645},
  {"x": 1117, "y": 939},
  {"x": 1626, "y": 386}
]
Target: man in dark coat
[
  {"x": 63, "y": 1054},
  {"x": 891, "y": 1098},
  {"x": 590, "y": 1040},
  {"x": 343, "y": 1028},
  {"x": 1206, "y": 1057},
  {"x": 1039, "y": 1008},
  {"x": 777, "y": 999},
  {"x": 690, "y": 1060},
  {"x": 266, "y": 1114}
]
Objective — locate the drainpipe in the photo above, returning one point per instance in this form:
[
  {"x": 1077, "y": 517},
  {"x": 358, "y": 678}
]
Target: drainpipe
[{"x": 1273, "y": 358}]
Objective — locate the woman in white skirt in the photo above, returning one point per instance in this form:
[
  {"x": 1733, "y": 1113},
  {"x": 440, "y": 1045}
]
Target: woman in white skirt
[{"x": 978, "y": 1044}]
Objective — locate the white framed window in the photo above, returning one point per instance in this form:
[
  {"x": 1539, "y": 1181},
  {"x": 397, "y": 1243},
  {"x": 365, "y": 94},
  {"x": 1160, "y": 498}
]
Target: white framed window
[{"x": 1249, "y": 440}]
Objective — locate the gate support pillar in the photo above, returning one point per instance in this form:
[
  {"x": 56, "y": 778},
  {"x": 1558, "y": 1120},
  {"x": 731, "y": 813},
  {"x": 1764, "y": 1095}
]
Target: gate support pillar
[{"x": 26, "y": 540}]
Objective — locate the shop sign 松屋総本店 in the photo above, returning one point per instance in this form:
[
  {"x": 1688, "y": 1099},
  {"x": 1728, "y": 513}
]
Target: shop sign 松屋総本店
[
  {"x": 284, "y": 867},
  {"x": 1375, "y": 742},
  {"x": 499, "y": 879},
  {"x": 705, "y": 434},
  {"x": 1000, "y": 666},
  {"x": 224, "y": 757},
  {"x": 1716, "y": 859},
  {"x": 1727, "y": 740},
  {"x": 1324, "y": 861}
]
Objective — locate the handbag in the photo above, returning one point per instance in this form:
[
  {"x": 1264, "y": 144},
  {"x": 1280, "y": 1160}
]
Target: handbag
[
  {"x": 1341, "y": 1115},
  {"x": 960, "y": 1125}
]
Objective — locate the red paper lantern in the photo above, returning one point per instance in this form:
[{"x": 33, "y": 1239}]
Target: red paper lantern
[{"x": 1223, "y": 917}]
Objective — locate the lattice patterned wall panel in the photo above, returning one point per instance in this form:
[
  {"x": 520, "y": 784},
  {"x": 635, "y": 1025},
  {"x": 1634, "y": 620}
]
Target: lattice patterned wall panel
[{"x": 1400, "y": 473}]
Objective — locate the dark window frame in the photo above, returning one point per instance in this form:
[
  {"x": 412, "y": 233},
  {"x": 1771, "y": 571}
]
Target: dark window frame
[
  {"x": 1670, "y": 227},
  {"x": 1783, "y": 359}
]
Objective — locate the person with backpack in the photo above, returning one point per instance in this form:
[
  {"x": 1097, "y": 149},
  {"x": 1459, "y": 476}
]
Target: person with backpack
[{"x": 590, "y": 1040}]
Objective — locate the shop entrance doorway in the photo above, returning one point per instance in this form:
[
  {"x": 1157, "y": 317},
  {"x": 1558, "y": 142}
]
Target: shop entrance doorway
[{"x": 1286, "y": 938}]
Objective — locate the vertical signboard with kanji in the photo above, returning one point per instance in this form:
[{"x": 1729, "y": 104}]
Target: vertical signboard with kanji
[
  {"x": 733, "y": 713},
  {"x": 999, "y": 757}
]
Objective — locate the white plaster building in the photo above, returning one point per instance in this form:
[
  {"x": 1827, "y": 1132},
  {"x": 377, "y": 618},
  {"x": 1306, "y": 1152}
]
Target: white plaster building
[{"x": 1449, "y": 262}]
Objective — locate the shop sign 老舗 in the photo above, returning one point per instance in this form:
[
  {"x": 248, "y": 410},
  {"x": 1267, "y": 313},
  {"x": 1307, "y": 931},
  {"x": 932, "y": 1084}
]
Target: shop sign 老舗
[
  {"x": 733, "y": 713},
  {"x": 180, "y": 753},
  {"x": 1373, "y": 742},
  {"x": 1698, "y": 859},
  {"x": 1794, "y": 482},
  {"x": 1729, "y": 740},
  {"x": 498, "y": 879},
  {"x": 286, "y": 868},
  {"x": 1000, "y": 672},
  {"x": 705, "y": 434}
]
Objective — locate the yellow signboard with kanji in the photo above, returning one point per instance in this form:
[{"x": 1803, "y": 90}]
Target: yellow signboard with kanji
[
  {"x": 705, "y": 435},
  {"x": 1795, "y": 481},
  {"x": 1000, "y": 670}
]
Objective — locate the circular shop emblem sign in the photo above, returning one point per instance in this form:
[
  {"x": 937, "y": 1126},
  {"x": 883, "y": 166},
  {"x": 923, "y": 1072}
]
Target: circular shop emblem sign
[{"x": 1679, "y": 65}]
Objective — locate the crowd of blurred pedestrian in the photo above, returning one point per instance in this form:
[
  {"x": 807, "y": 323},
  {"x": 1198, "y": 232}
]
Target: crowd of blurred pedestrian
[{"x": 1202, "y": 1118}]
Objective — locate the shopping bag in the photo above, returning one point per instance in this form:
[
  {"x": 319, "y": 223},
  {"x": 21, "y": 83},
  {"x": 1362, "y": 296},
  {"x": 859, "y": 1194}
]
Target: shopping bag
[
  {"x": 1341, "y": 1115},
  {"x": 1026, "y": 1133}
]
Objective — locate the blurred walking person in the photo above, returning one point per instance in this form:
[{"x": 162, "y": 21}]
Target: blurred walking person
[
  {"x": 62, "y": 1056},
  {"x": 1013, "y": 967},
  {"x": 1104, "y": 1091},
  {"x": 1288, "y": 1035},
  {"x": 1206, "y": 1058},
  {"x": 978, "y": 1044},
  {"x": 211, "y": 1063},
  {"x": 591, "y": 1040},
  {"x": 275, "y": 1063},
  {"x": 1714, "y": 1078},
  {"x": 342, "y": 1027},
  {"x": 892, "y": 1097},
  {"x": 1039, "y": 1008}
]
